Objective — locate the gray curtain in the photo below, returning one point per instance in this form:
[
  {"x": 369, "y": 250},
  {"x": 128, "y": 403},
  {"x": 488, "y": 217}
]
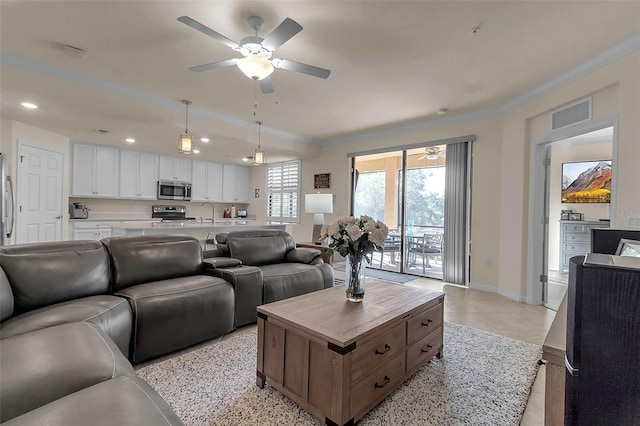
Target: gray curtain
[{"x": 455, "y": 214}]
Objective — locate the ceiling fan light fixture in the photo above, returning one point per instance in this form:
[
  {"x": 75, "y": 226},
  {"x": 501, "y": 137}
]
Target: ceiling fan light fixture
[
  {"x": 255, "y": 67},
  {"x": 185, "y": 142},
  {"x": 432, "y": 157}
]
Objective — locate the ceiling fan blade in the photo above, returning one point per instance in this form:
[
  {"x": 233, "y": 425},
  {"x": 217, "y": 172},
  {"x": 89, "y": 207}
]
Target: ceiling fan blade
[
  {"x": 208, "y": 31},
  {"x": 283, "y": 32},
  {"x": 300, "y": 67},
  {"x": 265, "y": 85},
  {"x": 214, "y": 65}
]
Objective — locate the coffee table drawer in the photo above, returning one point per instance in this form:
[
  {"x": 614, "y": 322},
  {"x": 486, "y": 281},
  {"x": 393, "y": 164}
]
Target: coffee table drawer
[
  {"x": 376, "y": 385},
  {"x": 424, "y": 323},
  {"x": 377, "y": 351},
  {"x": 421, "y": 352}
]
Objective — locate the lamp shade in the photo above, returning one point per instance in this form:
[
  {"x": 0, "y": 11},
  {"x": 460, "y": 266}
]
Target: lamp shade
[
  {"x": 318, "y": 203},
  {"x": 259, "y": 157},
  {"x": 255, "y": 67},
  {"x": 185, "y": 143}
]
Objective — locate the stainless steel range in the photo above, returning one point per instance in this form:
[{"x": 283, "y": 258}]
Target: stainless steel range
[{"x": 170, "y": 213}]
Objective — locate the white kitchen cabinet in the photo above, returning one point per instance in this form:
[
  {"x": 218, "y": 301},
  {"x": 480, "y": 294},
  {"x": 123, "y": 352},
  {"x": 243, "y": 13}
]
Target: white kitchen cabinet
[
  {"x": 138, "y": 175},
  {"x": 89, "y": 230},
  {"x": 235, "y": 184},
  {"x": 174, "y": 168},
  {"x": 206, "y": 181},
  {"x": 94, "y": 171}
]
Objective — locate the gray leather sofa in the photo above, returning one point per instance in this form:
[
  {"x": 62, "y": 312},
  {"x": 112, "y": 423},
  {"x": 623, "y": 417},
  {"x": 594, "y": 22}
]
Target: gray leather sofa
[
  {"x": 72, "y": 312},
  {"x": 268, "y": 267}
]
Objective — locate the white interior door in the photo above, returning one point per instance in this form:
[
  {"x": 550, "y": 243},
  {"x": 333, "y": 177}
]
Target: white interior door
[{"x": 39, "y": 195}]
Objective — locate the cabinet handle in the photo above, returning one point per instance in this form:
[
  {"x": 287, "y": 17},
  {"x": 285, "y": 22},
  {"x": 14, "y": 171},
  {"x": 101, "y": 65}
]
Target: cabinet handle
[
  {"x": 386, "y": 349},
  {"x": 429, "y": 347},
  {"x": 426, "y": 324},
  {"x": 385, "y": 382}
]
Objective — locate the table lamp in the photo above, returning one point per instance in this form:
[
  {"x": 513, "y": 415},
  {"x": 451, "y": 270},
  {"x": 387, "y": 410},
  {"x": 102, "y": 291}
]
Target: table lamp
[{"x": 318, "y": 204}]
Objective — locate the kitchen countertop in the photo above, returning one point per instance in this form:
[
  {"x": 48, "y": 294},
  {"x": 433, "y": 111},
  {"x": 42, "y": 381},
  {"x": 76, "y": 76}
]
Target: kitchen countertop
[{"x": 194, "y": 224}]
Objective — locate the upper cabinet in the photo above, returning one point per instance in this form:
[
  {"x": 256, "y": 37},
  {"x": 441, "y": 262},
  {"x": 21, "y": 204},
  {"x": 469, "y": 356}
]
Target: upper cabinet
[
  {"x": 94, "y": 171},
  {"x": 138, "y": 175},
  {"x": 235, "y": 184},
  {"x": 206, "y": 181},
  {"x": 174, "y": 168}
]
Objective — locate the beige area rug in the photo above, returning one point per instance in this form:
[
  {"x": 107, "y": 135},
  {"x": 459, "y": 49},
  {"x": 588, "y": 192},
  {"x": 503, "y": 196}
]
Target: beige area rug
[{"x": 483, "y": 379}]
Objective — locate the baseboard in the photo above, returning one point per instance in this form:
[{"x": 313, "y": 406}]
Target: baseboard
[{"x": 501, "y": 292}]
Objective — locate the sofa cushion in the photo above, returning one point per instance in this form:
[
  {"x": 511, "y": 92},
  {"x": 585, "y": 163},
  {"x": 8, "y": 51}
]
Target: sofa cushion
[
  {"x": 42, "y": 274},
  {"x": 6, "y": 297},
  {"x": 111, "y": 313},
  {"x": 260, "y": 247},
  {"x": 121, "y": 401},
  {"x": 286, "y": 280},
  {"x": 138, "y": 260},
  {"x": 172, "y": 314},
  {"x": 48, "y": 364}
]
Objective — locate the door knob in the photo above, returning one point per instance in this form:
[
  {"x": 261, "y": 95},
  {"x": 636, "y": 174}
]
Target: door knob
[{"x": 58, "y": 217}]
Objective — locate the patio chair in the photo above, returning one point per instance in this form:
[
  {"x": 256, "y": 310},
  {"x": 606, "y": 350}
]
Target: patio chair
[{"x": 430, "y": 248}]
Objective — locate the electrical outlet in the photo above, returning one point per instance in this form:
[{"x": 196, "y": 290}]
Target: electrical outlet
[{"x": 487, "y": 262}]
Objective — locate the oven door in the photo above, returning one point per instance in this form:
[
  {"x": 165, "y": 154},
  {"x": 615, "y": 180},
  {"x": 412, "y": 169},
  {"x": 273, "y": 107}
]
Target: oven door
[{"x": 170, "y": 190}]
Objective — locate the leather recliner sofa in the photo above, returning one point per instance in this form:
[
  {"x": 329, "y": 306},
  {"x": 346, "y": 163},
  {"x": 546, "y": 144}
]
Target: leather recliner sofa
[
  {"x": 72, "y": 312},
  {"x": 265, "y": 266}
]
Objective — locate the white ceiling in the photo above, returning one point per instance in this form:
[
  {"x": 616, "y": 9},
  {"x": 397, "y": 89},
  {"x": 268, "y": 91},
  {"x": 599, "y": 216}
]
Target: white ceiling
[{"x": 392, "y": 63}]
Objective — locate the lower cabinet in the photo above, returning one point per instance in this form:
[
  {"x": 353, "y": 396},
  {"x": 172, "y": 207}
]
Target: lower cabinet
[
  {"x": 89, "y": 231},
  {"x": 575, "y": 239}
]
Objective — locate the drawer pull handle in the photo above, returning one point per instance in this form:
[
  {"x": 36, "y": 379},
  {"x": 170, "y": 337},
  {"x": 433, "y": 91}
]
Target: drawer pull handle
[
  {"x": 429, "y": 347},
  {"x": 386, "y": 349},
  {"x": 426, "y": 324},
  {"x": 384, "y": 383}
]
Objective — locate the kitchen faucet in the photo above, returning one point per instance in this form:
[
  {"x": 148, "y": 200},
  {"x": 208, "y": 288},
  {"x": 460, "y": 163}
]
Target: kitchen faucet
[{"x": 213, "y": 210}]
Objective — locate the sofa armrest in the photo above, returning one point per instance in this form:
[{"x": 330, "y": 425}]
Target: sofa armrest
[
  {"x": 221, "y": 262},
  {"x": 302, "y": 255}
]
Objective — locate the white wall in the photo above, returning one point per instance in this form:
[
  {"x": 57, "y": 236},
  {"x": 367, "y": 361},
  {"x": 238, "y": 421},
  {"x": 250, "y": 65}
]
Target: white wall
[{"x": 561, "y": 153}]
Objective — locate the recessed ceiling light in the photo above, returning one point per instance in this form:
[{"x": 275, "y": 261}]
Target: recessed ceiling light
[
  {"x": 205, "y": 140},
  {"x": 130, "y": 140},
  {"x": 196, "y": 151},
  {"x": 29, "y": 105},
  {"x": 442, "y": 111},
  {"x": 247, "y": 158}
]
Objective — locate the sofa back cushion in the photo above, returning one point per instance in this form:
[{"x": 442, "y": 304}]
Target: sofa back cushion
[
  {"x": 138, "y": 260},
  {"x": 42, "y": 274},
  {"x": 6, "y": 297},
  {"x": 260, "y": 247}
]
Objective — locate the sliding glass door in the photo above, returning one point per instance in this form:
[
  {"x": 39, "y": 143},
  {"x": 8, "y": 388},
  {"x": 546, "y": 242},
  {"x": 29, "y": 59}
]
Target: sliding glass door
[{"x": 412, "y": 191}]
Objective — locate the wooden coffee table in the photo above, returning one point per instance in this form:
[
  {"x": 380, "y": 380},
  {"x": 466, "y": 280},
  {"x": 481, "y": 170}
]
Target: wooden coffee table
[{"x": 339, "y": 359}]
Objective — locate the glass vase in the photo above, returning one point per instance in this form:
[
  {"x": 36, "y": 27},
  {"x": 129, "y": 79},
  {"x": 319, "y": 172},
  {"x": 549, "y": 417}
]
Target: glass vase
[{"x": 355, "y": 275}]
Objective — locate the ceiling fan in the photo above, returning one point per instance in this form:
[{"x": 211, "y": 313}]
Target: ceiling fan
[
  {"x": 432, "y": 153},
  {"x": 257, "y": 63}
]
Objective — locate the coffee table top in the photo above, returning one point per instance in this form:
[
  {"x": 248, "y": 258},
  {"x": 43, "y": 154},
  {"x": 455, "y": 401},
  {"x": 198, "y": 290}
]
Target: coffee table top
[{"x": 328, "y": 315}]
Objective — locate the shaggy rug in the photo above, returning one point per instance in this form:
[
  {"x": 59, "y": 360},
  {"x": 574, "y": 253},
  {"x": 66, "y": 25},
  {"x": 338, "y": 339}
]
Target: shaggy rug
[{"x": 482, "y": 379}]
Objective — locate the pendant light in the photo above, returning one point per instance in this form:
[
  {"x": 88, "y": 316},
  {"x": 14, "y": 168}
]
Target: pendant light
[
  {"x": 259, "y": 157},
  {"x": 185, "y": 143}
]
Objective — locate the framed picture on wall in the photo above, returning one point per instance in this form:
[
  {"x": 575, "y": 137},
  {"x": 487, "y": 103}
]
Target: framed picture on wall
[{"x": 586, "y": 182}]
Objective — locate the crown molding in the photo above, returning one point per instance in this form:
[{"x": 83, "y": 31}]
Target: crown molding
[{"x": 606, "y": 57}]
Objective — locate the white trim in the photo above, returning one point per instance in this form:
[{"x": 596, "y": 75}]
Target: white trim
[{"x": 536, "y": 196}]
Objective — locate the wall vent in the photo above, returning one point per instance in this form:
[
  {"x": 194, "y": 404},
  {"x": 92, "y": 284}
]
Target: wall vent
[{"x": 575, "y": 113}]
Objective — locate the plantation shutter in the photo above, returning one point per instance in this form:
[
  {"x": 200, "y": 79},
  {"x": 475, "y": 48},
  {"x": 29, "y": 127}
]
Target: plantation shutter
[{"x": 283, "y": 191}]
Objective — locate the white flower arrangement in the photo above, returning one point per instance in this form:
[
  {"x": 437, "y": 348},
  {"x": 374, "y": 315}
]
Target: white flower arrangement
[{"x": 356, "y": 237}]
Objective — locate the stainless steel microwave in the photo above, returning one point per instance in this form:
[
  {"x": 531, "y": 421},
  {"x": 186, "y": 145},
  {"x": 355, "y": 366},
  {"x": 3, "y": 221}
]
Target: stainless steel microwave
[{"x": 174, "y": 190}]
